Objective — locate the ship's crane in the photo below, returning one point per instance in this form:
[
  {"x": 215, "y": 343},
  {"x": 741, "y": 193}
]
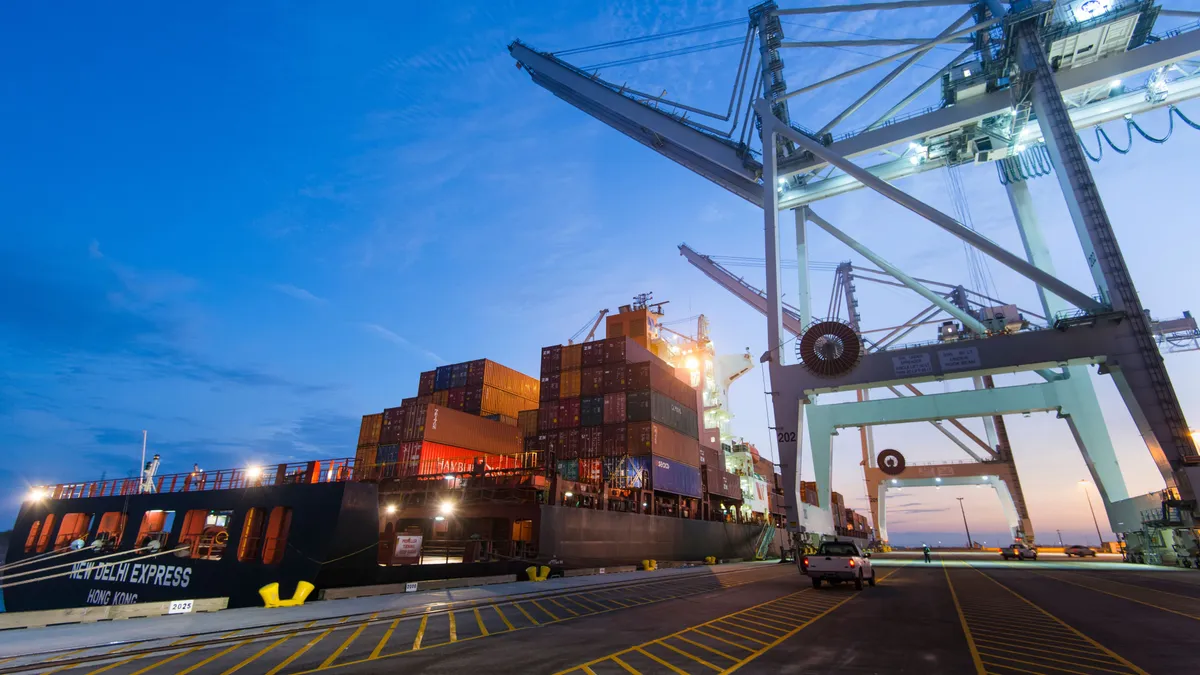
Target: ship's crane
[{"x": 594, "y": 324}]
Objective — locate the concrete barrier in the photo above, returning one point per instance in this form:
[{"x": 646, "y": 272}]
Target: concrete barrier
[
  {"x": 589, "y": 571},
  {"x": 431, "y": 585},
  {"x": 53, "y": 617}
]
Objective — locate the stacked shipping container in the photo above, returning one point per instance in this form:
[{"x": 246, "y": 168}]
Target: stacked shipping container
[{"x": 612, "y": 412}]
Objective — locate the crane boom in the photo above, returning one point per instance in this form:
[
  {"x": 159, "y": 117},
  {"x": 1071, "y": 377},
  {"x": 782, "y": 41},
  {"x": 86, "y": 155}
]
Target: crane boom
[
  {"x": 734, "y": 284},
  {"x": 595, "y": 325}
]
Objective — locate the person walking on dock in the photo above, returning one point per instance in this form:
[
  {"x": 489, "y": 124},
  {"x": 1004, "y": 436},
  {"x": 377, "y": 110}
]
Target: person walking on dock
[{"x": 925, "y": 547}]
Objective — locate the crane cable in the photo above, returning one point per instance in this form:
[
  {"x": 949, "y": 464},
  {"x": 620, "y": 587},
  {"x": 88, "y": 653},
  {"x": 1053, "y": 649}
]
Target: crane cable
[
  {"x": 1131, "y": 125},
  {"x": 652, "y": 37}
]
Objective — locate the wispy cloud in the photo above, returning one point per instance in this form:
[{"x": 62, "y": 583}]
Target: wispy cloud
[
  {"x": 395, "y": 338},
  {"x": 299, "y": 293}
]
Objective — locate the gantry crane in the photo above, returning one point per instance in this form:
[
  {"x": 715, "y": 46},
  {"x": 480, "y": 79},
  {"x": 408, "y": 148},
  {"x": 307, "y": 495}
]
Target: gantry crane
[{"x": 592, "y": 325}]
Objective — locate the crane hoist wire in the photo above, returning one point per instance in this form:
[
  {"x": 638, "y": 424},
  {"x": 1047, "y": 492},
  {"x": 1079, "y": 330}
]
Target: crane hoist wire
[
  {"x": 681, "y": 51},
  {"x": 977, "y": 266},
  {"x": 653, "y": 37}
]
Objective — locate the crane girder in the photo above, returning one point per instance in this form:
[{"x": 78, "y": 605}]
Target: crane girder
[
  {"x": 747, "y": 293},
  {"x": 718, "y": 160}
]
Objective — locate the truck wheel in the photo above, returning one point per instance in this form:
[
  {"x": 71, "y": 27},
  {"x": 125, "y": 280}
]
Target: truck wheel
[
  {"x": 816, "y": 582},
  {"x": 871, "y": 581},
  {"x": 858, "y": 582}
]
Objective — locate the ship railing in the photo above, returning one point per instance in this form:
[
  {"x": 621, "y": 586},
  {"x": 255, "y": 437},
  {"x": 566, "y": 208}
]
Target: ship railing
[{"x": 321, "y": 471}]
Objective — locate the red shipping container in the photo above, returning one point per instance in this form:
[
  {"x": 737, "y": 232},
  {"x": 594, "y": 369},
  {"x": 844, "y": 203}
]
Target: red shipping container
[
  {"x": 652, "y": 375},
  {"x": 547, "y": 414},
  {"x": 439, "y": 459},
  {"x": 457, "y": 398},
  {"x": 614, "y": 378},
  {"x": 570, "y": 443},
  {"x": 425, "y": 383},
  {"x": 591, "y": 442},
  {"x": 472, "y": 400},
  {"x": 614, "y": 350},
  {"x": 551, "y": 360},
  {"x": 592, "y": 354},
  {"x": 615, "y": 440},
  {"x": 571, "y": 418},
  {"x": 640, "y": 439},
  {"x": 561, "y": 414},
  {"x": 410, "y": 458},
  {"x": 549, "y": 390},
  {"x": 590, "y": 471},
  {"x": 614, "y": 408},
  {"x": 592, "y": 381},
  {"x": 651, "y": 438}
]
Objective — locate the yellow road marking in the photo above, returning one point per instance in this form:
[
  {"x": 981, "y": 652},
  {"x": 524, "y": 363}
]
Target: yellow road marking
[
  {"x": 166, "y": 660},
  {"x": 288, "y": 661},
  {"x": 453, "y": 630},
  {"x": 214, "y": 657},
  {"x": 689, "y": 655},
  {"x": 1126, "y": 597},
  {"x": 574, "y": 601},
  {"x": 989, "y": 635},
  {"x": 589, "y": 671},
  {"x": 341, "y": 648},
  {"x": 584, "y": 598},
  {"x": 752, "y": 630},
  {"x": 573, "y": 612},
  {"x": 387, "y": 635},
  {"x": 962, "y": 619},
  {"x": 1038, "y": 665},
  {"x": 1046, "y": 658},
  {"x": 718, "y": 652},
  {"x": 527, "y": 616},
  {"x": 1145, "y": 588},
  {"x": 548, "y": 612},
  {"x": 257, "y": 654},
  {"x": 112, "y": 665},
  {"x": 1064, "y": 624},
  {"x": 758, "y": 617},
  {"x": 479, "y": 620},
  {"x": 744, "y": 637},
  {"x": 664, "y": 663},
  {"x": 420, "y": 633},
  {"x": 626, "y": 666},
  {"x": 714, "y": 637},
  {"x": 1025, "y": 643},
  {"x": 503, "y": 618}
]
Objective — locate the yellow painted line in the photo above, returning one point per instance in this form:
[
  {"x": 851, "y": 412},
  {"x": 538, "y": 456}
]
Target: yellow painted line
[
  {"x": 744, "y": 637},
  {"x": 420, "y": 633},
  {"x": 539, "y": 606},
  {"x": 1097, "y": 645},
  {"x": 453, "y": 630},
  {"x": 1038, "y": 664},
  {"x": 714, "y": 637},
  {"x": 309, "y": 645},
  {"x": 1146, "y": 588},
  {"x": 503, "y": 618},
  {"x": 1007, "y": 638},
  {"x": 741, "y": 626},
  {"x": 777, "y": 622},
  {"x": 1016, "y": 624},
  {"x": 689, "y": 655},
  {"x": 166, "y": 660},
  {"x": 643, "y": 652},
  {"x": 564, "y": 607},
  {"x": 589, "y": 671},
  {"x": 801, "y": 627},
  {"x": 342, "y": 647},
  {"x": 387, "y": 635},
  {"x": 1039, "y": 657},
  {"x": 527, "y": 616},
  {"x": 200, "y": 664},
  {"x": 257, "y": 655},
  {"x": 574, "y": 601},
  {"x": 479, "y": 620},
  {"x": 1029, "y": 644},
  {"x": 626, "y": 666},
  {"x": 718, "y": 652},
  {"x": 1126, "y": 597},
  {"x": 112, "y": 665},
  {"x": 962, "y": 619}
]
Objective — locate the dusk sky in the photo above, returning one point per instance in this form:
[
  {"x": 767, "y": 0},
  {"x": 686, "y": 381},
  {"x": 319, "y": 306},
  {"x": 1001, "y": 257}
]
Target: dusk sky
[{"x": 241, "y": 226}]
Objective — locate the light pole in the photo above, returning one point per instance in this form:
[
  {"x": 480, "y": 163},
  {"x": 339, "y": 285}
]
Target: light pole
[
  {"x": 970, "y": 546},
  {"x": 1095, "y": 522}
]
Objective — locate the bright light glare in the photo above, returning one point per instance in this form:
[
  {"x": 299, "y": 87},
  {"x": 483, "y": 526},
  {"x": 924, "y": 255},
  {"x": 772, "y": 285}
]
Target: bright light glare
[
  {"x": 391, "y": 508},
  {"x": 1090, "y": 9},
  {"x": 914, "y": 160},
  {"x": 449, "y": 476},
  {"x": 446, "y": 508},
  {"x": 691, "y": 363},
  {"x": 1019, "y": 148},
  {"x": 938, "y": 479},
  {"x": 1114, "y": 84},
  {"x": 439, "y": 518},
  {"x": 37, "y": 494},
  {"x": 783, "y": 181},
  {"x": 569, "y": 495},
  {"x": 254, "y": 472},
  {"x": 894, "y": 481},
  {"x": 966, "y": 72}
]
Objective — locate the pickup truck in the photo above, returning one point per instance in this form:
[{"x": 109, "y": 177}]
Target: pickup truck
[{"x": 838, "y": 561}]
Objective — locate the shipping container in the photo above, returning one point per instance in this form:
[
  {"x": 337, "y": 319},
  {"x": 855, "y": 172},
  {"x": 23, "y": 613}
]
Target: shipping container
[
  {"x": 551, "y": 360},
  {"x": 650, "y": 438},
  {"x": 685, "y": 394},
  {"x": 473, "y": 400},
  {"x": 488, "y": 400},
  {"x": 439, "y": 459},
  {"x": 388, "y": 454},
  {"x": 391, "y": 427},
  {"x": 614, "y": 408},
  {"x": 591, "y": 442},
  {"x": 592, "y": 354},
  {"x": 591, "y": 381},
  {"x": 547, "y": 416},
  {"x": 711, "y": 438},
  {"x": 627, "y": 472},
  {"x": 568, "y": 469},
  {"x": 561, "y": 414},
  {"x": 527, "y": 422},
  {"x": 533, "y": 444},
  {"x": 674, "y": 414},
  {"x": 365, "y": 455},
  {"x": 614, "y": 378},
  {"x": 653, "y": 375},
  {"x": 675, "y": 477},
  {"x": 591, "y": 411},
  {"x": 410, "y": 458},
  {"x": 614, "y": 350},
  {"x": 569, "y": 441},
  {"x": 571, "y": 417},
  {"x": 549, "y": 390},
  {"x": 637, "y": 406},
  {"x": 368, "y": 432},
  {"x": 572, "y": 357},
  {"x": 486, "y": 372},
  {"x": 591, "y": 471},
  {"x": 441, "y": 397},
  {"x": 615, "y": 440},
  {"x": 458, "y": 375},
  {"x": 414, "y": 423},
  {"x": 451, "y": 427},
  {"x": 441, "y": 378},
  {"x": 569, "y": 382},
  {"x": 457, "y": 398},
  {"x": 427, "y": 383}
]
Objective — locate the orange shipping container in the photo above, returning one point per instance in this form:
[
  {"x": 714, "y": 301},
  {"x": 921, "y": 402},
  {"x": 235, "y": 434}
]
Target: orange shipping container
[
  {"x": 369, "y": 431},
  {"x": 527, "y": 422},
  {"x": 365, "y": 455},
  {"x": 495, "y": 401},
  {"x": 441, "y": 397},
  {"x": 438, "y": 458},
  {"x": 452, "y": 427},
  {"x": 569, "y": 381},
  {"x": 572, "y": 357},
  {"x": 512, "y": 381}
]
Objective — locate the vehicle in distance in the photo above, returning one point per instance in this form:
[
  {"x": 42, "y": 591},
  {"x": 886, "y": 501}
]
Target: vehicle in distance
[
  {"x": 838, "y": 561},
  {"x": 1018, "y": 552},
  {"x": 1081, "y": 551}
]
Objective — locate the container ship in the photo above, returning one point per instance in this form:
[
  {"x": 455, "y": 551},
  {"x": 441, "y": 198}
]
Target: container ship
[{"x": 618, "y": 451}]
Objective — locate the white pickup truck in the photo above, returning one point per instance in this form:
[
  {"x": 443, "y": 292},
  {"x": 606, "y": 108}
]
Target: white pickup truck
[{"x": 838, "y": 561}]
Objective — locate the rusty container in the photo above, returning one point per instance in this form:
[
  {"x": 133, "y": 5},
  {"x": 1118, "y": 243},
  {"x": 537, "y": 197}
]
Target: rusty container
[
  {"x": 614, "y": 440},
  {"x": 592, "y": 381},
  {"x": 527, "y": 422},
  {"x": 368, "y": 432},
  {"x": 451, "y": 427},
  {"x": 591, "y": 442},
  {"x": 426, "y": 383},
  {"x": 614, "y": 378},
  {"x": 651, "y": 438},
  {"x": 572, "y": 357},
  {"x": 592, "y": 354},
  {"x": 392, "y": 425},
  {"x": 614, "y": 408},
  {"x": 569, "y": 382},
  {"x": 457, "y": 398}
]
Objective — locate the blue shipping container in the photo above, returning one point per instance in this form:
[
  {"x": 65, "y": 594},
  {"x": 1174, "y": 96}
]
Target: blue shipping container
[
  {"x": 568, "y": 469},
  {"x": 627, "y": 472},
  {"x": 441, "y": 379},
  {"x": 676, "y": 478},
  {"x": 387, "y": 454}
]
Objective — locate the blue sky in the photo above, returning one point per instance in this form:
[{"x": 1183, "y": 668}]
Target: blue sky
[{"x": 242, "y": 227}]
